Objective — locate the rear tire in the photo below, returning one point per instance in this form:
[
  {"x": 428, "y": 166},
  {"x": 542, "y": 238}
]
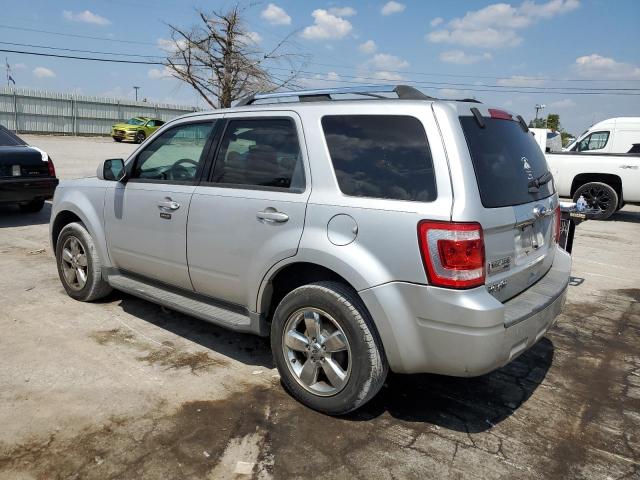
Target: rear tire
[
  {"x": 33, "y": 206},
  {"x": 346, "y": 338},
  {"x": 600, "y": 197},
  {"x": 79, "y": 265}
]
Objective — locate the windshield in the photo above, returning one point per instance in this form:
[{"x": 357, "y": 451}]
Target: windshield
[
  {"x": 135, "y": 121},
  {"x": 506, "y": 159}
]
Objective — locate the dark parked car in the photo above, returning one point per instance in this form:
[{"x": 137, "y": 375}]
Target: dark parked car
[{"x": 27, "y": 174}]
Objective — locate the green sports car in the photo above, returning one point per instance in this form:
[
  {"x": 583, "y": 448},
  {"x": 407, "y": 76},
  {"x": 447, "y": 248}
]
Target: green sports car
[{"x": 135, "y": 129}]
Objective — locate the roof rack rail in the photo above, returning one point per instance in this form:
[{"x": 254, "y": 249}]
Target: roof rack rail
[{"x": 404, "y": 92}]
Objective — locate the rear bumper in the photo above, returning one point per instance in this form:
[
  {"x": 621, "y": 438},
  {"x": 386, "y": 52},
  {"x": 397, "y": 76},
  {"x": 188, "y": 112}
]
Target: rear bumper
[
  {"x": 463, "y": 332},
  {"x": 27, "y": 189}
]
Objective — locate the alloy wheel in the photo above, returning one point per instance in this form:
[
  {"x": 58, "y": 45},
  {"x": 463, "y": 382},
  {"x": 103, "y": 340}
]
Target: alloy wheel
[
  {"x": 74, "y": 263},
  {"x": 317, "y": 351},
  {"x": 597, "y": 198}
]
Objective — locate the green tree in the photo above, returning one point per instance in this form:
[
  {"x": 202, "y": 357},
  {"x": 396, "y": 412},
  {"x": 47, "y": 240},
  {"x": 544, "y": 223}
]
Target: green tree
[
  {"x": 538, "y": 123},
  {"x": 553, "y": 122}
]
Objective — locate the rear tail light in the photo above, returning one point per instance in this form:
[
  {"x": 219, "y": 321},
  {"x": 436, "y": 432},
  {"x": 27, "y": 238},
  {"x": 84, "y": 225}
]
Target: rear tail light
[
  {"x": 557, "y": 224},
  {"x": 52, "y": 168},
  {"x": 453, "y": 253}
]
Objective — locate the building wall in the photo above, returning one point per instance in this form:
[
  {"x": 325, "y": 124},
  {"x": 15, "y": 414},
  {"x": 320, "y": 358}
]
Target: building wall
[{"x": 33, "y": 111}]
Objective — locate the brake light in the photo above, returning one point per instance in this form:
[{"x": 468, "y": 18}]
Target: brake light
[
  {"x": 557, "y": 224},
  {"x": 52, "y": 168},
  {"x": 453, "y": 253},
  {"x": 500, "y": 114}
]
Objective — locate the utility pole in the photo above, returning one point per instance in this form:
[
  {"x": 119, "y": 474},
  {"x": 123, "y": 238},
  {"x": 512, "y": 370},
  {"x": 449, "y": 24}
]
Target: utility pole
[
  {"x": 136, "y": 89},
  {"x": 538, "y": 108},
  {"x": 8, "y": 67}
]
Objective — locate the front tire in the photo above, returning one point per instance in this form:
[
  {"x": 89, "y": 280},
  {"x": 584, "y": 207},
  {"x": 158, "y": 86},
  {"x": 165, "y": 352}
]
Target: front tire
[
  {"x": 327, "y": 349},
  {"x": 79, "y": 265},
  {"x": 33, "y": 206},
  {"x": 600, "y": 197},
  {"x": 140, "y": 137}
]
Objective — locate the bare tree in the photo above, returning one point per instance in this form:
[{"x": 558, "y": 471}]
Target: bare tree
[{"x": 220, "y": 58}]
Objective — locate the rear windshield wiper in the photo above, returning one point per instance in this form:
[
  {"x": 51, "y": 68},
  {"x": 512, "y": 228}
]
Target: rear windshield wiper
[{"x": 536, "y": 183}]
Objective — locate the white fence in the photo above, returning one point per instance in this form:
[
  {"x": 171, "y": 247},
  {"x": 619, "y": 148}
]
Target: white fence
[{"x": 32, "y": 111}]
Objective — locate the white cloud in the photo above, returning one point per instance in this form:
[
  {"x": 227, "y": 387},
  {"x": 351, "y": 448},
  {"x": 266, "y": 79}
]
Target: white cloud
[
  {"x": 170, "y": 46},
  {"x": 19, "y": 66},
  {"x": 436, "y": 21},
  {"x": 564, "y": 103},
  {"x": 387, "y": 76},
  {"x": 392, "y": 7},
  {"x": 384, "y": 61},
  {"x": 275, "y": 15},
  {"x": 597, "y": 66},
  {"x": 320, "y": 81},
  {"x": 521, "y": 81},
  {"x": 342, "y": 11},
  {"x": 495, "y": 25},
  {"x": 459, "y": 57},
  {"x": 159, "y": 74},
  {"x": 42, "y": 72},
  {"x": 86, "y": 17},
  {"x": 368, "y": 47},
  {"x": 253, "y": 37},
  {"x": 333, "y": 76},
  {"x": 326, "y": 26}
]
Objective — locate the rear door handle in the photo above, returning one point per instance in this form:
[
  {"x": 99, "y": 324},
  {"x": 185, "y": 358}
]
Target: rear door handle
[
  {"x": 272, "y": 216},
  {"x": 169, "y": 204}
]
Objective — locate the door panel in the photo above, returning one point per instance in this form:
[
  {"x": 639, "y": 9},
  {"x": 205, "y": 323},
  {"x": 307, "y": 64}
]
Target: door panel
[
  {"x": 146, "y": 218},
  {"x": 250, "y": 215}
]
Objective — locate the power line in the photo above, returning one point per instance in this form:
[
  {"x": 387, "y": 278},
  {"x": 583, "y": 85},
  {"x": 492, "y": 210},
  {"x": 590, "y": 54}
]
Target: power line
[
  {"x": 81, "y": 51},
  {"x": 489, "y": 88},
  {"x": 75, "y": 35}
]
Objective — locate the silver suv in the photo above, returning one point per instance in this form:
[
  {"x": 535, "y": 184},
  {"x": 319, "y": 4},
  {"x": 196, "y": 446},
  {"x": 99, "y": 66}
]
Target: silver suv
[{"x": 363, "y": 229}]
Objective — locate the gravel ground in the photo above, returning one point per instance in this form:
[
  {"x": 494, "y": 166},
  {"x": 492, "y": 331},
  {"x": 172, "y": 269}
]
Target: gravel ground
[{"x": 123, "y": 388}]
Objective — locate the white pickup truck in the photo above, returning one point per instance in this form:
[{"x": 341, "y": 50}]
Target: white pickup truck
[{"x": 605, "y": 181}]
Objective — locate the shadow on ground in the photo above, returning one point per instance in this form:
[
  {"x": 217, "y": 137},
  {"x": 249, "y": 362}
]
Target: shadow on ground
[
  {"x": 626, "y": 216},
  {"x": 11, "y": 216}
]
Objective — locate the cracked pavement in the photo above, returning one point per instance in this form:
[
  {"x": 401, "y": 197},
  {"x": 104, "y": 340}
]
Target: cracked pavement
[{"x": 123, "y": 388}]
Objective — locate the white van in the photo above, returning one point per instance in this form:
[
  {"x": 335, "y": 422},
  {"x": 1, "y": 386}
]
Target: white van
[{"x": 614, "y": 135}]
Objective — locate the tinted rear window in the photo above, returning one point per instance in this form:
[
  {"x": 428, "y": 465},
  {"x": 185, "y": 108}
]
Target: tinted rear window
[
  {"x": 380, "y": 156},
  {"x": 505, "y": 159},
  {"x": 8, "y": 139}
]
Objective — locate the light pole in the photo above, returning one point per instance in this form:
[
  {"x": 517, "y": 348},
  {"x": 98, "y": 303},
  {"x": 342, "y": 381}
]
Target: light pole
[
  {"x": 538, "y": 108},
  {"x": 136, "y": 89}
]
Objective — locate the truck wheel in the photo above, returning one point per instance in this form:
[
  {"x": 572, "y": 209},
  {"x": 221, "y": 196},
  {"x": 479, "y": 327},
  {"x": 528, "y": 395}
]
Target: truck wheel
[
  {"x": 326, "y": 348},
  {"x": 140, "y": 136},
  {"x": 33, "y": 206},
  {"x": 79, "y": 266},
  {"x": 600, "y": 197}
]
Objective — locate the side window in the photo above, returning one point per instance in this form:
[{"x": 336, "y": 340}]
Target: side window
[
  {"x": 260, "y": 153},
  {"x": 595, "y": 141},
  {"x": 381, "y": 156},
  {"x": 175, "y": 155}
]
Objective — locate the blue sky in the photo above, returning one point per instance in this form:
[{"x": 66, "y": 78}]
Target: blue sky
[{"x": 522, "y": 52}]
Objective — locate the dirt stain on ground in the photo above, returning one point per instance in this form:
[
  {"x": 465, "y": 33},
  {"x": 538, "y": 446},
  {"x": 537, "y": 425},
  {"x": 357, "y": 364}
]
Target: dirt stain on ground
[{"x": 165, "y": 355}]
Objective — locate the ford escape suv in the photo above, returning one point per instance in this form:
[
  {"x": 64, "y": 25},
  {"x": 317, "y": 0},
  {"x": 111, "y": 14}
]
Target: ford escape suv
[{"x": 362, "y": 229}]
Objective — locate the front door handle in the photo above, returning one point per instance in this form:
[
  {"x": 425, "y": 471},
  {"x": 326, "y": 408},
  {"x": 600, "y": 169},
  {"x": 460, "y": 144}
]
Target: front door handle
[
  {"x": 272, "y": 215},
  {"x": 169, "y": 204}
]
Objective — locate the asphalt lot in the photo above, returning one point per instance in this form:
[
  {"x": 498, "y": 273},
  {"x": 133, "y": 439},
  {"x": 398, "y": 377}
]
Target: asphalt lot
[{"x": 123, "y": 388}]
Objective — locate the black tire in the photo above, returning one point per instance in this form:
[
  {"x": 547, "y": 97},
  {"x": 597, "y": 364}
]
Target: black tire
[
  {"x": 33, "y": 206},
  {"x": 140, "y": 137},
  {"x": 117, "y": 140},
  {"x": 95, "y": 287},
  {"x": 368, "y": 365},
  {"x": 600, "y": 197}
]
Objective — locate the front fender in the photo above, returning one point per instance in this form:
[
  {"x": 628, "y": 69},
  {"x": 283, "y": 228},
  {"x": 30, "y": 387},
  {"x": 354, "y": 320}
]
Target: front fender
[{"x": 87, "y": 203}]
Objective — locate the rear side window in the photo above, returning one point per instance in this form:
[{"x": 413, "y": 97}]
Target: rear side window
[
  {"x": 505, "y": 159},
  {"x": 381, "y": 156},
  {"x": 260, "y": 154},
  {"x": 8, "y": 139}
]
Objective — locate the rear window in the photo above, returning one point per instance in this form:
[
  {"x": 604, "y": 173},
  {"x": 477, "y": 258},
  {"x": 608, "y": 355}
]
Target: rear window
[
  {"x": 505, "y": 159},
  {"x": 8, "y": 139},
  {"x": 380, "y": 156}
]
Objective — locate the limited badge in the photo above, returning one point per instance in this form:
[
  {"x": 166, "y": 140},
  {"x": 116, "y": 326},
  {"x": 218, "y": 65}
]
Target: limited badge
[{"x": 166, "y": 216}]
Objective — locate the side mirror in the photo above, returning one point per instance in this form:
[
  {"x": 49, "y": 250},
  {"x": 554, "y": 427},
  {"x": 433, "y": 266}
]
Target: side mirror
[{"x": 112, "y": 169}]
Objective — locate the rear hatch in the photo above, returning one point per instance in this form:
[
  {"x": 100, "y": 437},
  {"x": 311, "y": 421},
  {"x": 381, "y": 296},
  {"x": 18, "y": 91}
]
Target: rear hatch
[
  {"x": 18, "y": 160},
  {"x": 519, "y": 205}
]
